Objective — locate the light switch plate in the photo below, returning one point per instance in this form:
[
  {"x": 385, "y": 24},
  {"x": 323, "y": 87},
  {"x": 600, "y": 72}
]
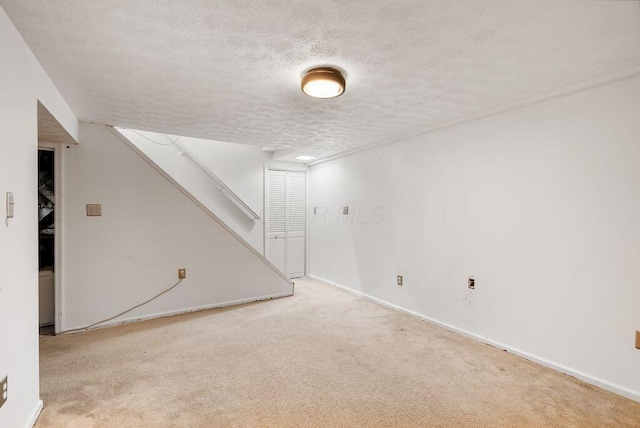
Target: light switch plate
[
  {"x": 399, "y": 280},
  {"x": 10, "y": 204},
  {"x": 345, "y": 210},
  {"x": 4, "y": 391},
  {"x": 94, "y": 210}
]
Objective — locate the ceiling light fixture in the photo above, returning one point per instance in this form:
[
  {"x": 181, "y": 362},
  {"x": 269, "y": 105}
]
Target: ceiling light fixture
[
  {"x": 305, "y": 157},
  {"x": 323, "y": 82}
]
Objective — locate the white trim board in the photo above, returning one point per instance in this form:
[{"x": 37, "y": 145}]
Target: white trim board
[
  {"x": 36, "y": 415},
  {"x": 616, "y": 389},
  {"x": 179, "y": 312}
]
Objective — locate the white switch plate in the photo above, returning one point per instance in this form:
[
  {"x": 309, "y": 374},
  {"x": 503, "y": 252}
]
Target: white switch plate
[
  {"x": 94, "y": 210},
  {"x": 10, "y": 204}
]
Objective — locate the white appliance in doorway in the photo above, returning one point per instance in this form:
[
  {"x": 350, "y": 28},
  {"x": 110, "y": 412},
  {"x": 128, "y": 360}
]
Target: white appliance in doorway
[
  {"x": 46, "y": 305},
  {"x": 285, "y": 220}
]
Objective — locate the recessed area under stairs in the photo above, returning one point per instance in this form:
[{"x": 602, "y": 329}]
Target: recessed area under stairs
[
  {"x": 47, "y": 330},
  {"x": 323, "y": 357}
]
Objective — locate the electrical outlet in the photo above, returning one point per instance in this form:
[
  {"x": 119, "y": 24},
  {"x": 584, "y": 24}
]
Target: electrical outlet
[
  {"x": 471, "y": 283},
  {"x": 399, "y": 280},
  {"x": 4, "y": 389},
  {"x": 94, "y": 210},
  {"x": 182, "y": 273}
]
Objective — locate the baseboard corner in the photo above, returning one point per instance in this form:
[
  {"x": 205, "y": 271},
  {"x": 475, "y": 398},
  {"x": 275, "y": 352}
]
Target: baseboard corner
[{"x": 36, "y": 414}]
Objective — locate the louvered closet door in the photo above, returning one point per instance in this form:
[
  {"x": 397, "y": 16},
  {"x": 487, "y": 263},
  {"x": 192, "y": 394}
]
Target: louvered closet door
[
  {"x": 285, "y": 221},
  {"x": 295, "y": 224},
  {"x": 276, "y": 217}
]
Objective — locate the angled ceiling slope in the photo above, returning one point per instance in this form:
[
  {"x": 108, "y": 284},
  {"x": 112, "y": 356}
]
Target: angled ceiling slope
[
  {"x": 230, "y": 70},
  {"x": 50, "y": 130}
]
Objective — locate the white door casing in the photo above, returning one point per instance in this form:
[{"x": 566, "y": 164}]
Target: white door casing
[{"x": 58, "y": 284}]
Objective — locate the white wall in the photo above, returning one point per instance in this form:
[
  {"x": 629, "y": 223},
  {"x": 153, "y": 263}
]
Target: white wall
[
  {"x": 540, "y": 204},
  {"x": 239, "y": 166},
  {"x": 148, "y": 229},
  {"x": 22, "y": 83}
]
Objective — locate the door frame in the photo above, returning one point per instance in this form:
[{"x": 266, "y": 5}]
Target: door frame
[
  {"x": 265, "y": 228},
  {"x": 56, "y": 148}
]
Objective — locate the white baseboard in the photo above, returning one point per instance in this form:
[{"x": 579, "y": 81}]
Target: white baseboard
[
  {"x": 36, "y": 414},
  {"x": 616, "y": 389},
  {"x": 180, "y": 311}
]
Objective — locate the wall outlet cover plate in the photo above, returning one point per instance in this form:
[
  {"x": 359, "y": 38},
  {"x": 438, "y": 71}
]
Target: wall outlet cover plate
[
  {"x": 94, "y": 210},
  {"x": 4, "y": 391}
]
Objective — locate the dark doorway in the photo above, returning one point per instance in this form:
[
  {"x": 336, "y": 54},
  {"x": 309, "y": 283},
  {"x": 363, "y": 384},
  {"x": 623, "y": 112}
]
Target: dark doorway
[{"x": 46, "y": 238}]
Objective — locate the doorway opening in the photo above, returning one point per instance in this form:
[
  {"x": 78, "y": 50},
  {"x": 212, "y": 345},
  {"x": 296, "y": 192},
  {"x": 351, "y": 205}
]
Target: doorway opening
[
  {"x": 52, "y": 137},
  {"x": 46, "y": 240}
]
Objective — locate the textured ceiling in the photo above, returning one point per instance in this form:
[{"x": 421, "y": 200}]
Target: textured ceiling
[{"x": 230, "y": 70}]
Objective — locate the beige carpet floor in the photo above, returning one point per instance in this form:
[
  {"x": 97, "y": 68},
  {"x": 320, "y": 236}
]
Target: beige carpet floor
[{"x": 321, "y": 358}]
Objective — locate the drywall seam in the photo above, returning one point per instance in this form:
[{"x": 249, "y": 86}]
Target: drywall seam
[
  {"x": 197, "y": 202},
  {"x": 36, "y": 414},
  {"x": 184, "y": 311},
  {"x": 570, "y": 90},
  {"x": 620, "y": 390}
]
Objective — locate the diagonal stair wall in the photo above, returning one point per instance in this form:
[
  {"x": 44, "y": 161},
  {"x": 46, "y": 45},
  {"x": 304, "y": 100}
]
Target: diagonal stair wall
[
  {"x": 149, "y": 228},
  {"x": 178, "y": 161}
]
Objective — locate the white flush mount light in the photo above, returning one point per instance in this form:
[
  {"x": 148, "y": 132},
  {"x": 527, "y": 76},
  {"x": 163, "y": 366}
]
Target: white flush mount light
[
  {"x": 305, "y": 158},
  {"x": 323, "y": 82}
]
